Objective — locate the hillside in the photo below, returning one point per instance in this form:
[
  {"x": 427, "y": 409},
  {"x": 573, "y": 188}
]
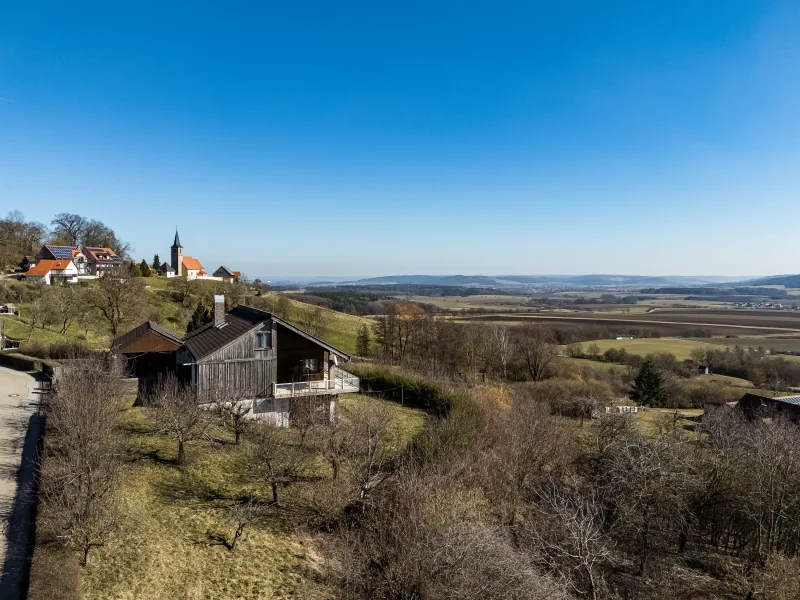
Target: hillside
[
  {"x": 338, "y": 329},
  {"x": 502, "y": 281},
  {"x": 789, "y": 281}
]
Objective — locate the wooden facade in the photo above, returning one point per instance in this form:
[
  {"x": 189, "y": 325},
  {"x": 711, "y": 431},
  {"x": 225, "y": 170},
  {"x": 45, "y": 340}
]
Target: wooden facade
[
  {"x": 295, "y": 350},
  {"x": 245, "y": 354},
  {"x": 240, "y": 367},
  {"x": 149, "y": 352}
]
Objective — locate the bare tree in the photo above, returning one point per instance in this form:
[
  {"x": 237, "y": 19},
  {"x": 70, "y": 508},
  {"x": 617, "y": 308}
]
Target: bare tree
[
  {"x": 315, "y": 321},
  {"x": 501, "y": 344},
  {"x": 120, "y": 301},
  {"x": 333, "y": 447},
  {"x": 567, "y": 533},
  {"x": 18, "y": 237},
  {"x": 424, "y": 537},
  {"x": 367, "y": 449},
  {"x": 243, "y": 513},
  {"x": 65, "y": 304},
  {"x": 179, "y": 414},
  {"x": 278, "y": 462},
  {"x": 183, "y": 289},
  {"x": 37, "y": 311},
  {"x": 235, "y": 406},
  {"x": 69, "y": 228},
  {"x": 83, "y": 463},
  {"x": 537, "y": 348},
  {"x": 531, "y": 448},
  {"x": 648, "y": 481},
  {"x": 308, "y": 411}
]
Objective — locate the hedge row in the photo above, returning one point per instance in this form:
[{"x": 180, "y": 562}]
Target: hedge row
[
  {"x": 399, "y": 386},
  {"x": 23, "y": 362}
]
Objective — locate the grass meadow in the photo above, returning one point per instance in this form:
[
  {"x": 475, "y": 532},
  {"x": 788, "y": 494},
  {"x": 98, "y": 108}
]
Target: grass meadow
[{"x": 170, "y": 542}]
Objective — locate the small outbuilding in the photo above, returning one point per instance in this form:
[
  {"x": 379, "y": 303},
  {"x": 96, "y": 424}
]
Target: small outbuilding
[
  {"x": 27, "y": 263},
  {"x": 149, "y": 352},
  {"x": 227, "y": 274},
  {"x": 166, "y": 270}
]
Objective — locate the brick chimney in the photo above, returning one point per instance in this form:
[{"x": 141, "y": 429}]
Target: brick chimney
[{"x": 219, "y": 310}]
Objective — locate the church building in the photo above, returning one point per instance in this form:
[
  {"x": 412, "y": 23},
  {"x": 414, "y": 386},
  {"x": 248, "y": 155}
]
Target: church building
[{"x": 183, "y": 266}]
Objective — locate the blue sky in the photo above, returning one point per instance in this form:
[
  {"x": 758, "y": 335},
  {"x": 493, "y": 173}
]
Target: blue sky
[{"x": 311, "y": 138}]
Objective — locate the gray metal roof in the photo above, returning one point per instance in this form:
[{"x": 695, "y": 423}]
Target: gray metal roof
[
  {"x": 789, "y": 400},
  {"x": 167, "y": 268},
  {"x": 210, "y": 337},
  {"x": 238, "y": 322},
  {"x": 177, "y": 242}
]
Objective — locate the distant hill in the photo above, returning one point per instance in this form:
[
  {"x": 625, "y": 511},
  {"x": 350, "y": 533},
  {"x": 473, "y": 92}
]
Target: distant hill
[
  {"x": 505, "y": 281},
  {"x": 454, "y": 280},
  {"x": 789, "y": 281}
]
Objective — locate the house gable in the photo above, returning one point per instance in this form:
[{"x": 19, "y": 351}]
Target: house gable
[{"x": 147, "y": 337}]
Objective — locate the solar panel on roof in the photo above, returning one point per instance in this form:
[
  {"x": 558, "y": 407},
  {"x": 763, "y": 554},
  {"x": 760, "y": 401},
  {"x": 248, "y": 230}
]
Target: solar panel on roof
[{"x": 62, "y": 251}]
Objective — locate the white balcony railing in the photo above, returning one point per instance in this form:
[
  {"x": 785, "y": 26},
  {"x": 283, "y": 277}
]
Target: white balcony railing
[{"x": 342, "y": 383}]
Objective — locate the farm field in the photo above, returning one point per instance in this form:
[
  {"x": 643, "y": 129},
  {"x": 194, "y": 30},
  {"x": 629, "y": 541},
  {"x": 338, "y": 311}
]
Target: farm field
[
  {"x": 650, "y": 420},
  {"x": 680, "y": 348},
  {"x": 668, "y": 322},
  {"x": 727, "y": 380},
  {"x": 493, "y": 302},
  {"x": 771, "y": 343},
  {"x": 598, "y": 365}
]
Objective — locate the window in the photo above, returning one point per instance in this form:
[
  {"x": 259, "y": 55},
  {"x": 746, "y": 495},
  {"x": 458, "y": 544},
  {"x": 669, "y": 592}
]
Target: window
[
  {"x": 263, "y": 340},
  {"x": 310, "y": 365}
]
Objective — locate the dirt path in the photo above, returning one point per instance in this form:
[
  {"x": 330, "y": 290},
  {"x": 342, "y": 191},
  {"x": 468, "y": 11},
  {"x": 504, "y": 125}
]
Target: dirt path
[{"x": 20, "y": 428}]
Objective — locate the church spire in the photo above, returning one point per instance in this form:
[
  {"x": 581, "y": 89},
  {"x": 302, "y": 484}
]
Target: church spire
[{"x": 177, "y": 243}]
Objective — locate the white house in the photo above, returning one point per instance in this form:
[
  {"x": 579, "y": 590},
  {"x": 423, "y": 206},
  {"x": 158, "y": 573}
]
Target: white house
[
  {"x": 50, "y": 271},
  {"x": 166, "y": 270}
]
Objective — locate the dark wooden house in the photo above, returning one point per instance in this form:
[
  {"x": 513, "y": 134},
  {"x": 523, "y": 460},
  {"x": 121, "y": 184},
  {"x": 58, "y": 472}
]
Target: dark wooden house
[
  {"x": 248, "y": 353},
  {"x": 755, "y": 406},
  {"x": 149, "y": 352}
]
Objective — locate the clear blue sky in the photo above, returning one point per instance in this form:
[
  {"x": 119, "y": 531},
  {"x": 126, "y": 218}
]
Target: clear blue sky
[{"x": 343, "y": 138}]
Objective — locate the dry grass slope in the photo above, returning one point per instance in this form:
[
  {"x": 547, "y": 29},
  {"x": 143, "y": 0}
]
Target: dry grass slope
[{"x": 171, "y": 541}]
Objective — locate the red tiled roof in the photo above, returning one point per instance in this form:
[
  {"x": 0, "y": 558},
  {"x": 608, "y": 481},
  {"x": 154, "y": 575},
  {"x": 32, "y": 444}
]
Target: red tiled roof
[
  {"x": 43, "y": 267},
  {"x": 191, "y": 264},
  {"x": 108, "y": 255}
]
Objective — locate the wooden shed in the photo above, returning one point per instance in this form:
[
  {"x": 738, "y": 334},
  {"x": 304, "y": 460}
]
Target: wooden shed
[{"x": 149, "y": 350}]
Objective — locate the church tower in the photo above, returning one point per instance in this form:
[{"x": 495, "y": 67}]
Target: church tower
[{"x": 177, "y": 256}]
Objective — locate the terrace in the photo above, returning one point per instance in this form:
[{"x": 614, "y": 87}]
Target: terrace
[{"x": 341, "y": 383}]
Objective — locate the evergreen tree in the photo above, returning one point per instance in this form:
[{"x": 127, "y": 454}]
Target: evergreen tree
[
  {"x": 134, "y": 269},
  {"x": 362, "y": 341},
  {"x": 648, "y": 387},
  {"x": 200, "y": 317},
  {"x": 156, "y": 263},
  {"x": 144, "y": 268}
]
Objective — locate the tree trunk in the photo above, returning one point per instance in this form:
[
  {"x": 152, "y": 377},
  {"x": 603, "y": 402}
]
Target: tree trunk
[
  {"x": 236, "y": 537},
  {"x": 237, "y": 432},
  {"x": 85, "y": 561},
  {"x": 275, "y": 492},
  {"x": 645, "y": 543},
  {"x": 181, "y": 453}
]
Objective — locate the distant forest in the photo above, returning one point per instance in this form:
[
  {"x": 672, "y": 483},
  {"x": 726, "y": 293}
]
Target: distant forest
[{"x": 715, "y": 291}]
